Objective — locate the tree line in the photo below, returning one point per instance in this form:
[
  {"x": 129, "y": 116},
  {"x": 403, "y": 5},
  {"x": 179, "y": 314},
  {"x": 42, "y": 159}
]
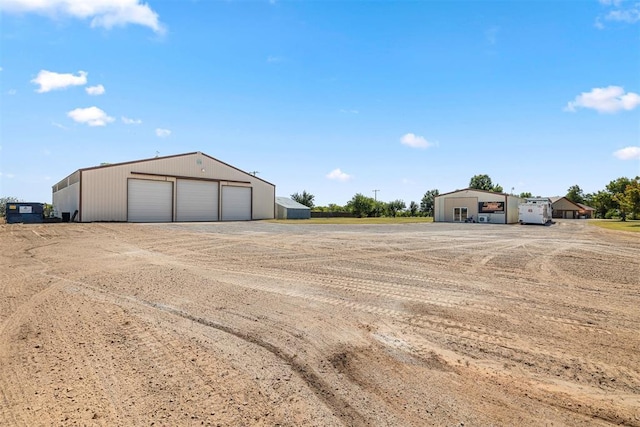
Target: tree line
[{"x": 620, "y": 199}]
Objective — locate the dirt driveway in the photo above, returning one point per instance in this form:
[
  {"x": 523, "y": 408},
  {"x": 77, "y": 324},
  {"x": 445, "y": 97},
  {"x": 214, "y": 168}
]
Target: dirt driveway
[{"x": 266, "y": 324}]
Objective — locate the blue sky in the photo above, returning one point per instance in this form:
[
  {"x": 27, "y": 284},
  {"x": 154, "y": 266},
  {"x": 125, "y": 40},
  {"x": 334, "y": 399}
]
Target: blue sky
[{"x": 332, "y": 97}]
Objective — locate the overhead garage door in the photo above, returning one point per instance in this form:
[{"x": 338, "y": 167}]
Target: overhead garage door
[
  {"x": 236, "y": 203},
  {"x": 149, "y": 201},
  {"x": 196, "y": 200}
]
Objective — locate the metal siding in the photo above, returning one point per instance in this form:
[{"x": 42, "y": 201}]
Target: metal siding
[
  {"x": 150, "y": 201},
  {"x": 104, "y": 189},
  {"x": 67, "y": 199},
  {"x": 196, "y": 200},
  {"x": 264, "y": 198},
  {"x": 471, "y": 203},
  {"x": 236, "y": 203}
]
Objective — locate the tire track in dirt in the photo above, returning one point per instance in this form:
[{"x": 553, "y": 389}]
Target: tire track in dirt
[{"x": 342, "y": 409}]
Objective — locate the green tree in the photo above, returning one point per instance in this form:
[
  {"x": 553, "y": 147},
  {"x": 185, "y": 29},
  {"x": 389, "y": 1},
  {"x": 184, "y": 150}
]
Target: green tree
[
  {"x": 629, "y": 201},
  {"x": 395, "y": 206},
  {"x": 575, "y": 194},
  {"x": 525, "y": 195},
  {"x": 413, "y": 208},
  {"x": 3, "y": 204},
  {"x": 602, "y": 202},
  {"x": 619, "y": 185},
  {"x": 428, "y": 201},
  {"x": 361, "y": 205},
  {"x": 483, "y": 182},
  {"x": 304, "y": 198}
]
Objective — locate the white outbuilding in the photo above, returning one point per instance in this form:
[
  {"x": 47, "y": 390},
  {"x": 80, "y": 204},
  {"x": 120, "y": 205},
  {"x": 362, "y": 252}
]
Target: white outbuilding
[
  {"x": 183, "y": 187},
  {"x": 472, "y": 205}
]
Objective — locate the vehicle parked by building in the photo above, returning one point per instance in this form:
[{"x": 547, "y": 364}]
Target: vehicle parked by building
[{"x": 536, "y": 210}]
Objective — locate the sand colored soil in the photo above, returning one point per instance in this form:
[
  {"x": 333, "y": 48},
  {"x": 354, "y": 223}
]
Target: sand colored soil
[{"x": 267, "y": 324}]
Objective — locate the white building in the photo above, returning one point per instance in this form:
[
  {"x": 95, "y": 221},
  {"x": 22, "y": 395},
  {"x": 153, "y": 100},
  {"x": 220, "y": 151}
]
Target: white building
[
  {"x": 476, "y": 205},
  {"x": 183, "y": 187}
]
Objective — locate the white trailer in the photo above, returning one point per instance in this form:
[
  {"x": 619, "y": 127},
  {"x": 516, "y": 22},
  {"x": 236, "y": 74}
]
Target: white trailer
[{"x": 535, "y": 211}]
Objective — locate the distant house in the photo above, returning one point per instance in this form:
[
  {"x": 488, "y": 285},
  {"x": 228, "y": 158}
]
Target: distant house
[
  {"x": 565, "y": 208},
  {"x": 287, "y": 208}
]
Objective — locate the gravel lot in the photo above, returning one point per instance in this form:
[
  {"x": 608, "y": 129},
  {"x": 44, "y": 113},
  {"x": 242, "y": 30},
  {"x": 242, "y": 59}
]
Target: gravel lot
[{"x": 266, "y": 323}]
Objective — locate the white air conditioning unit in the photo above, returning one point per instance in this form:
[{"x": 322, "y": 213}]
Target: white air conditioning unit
[{"x": 483, "y": 218}]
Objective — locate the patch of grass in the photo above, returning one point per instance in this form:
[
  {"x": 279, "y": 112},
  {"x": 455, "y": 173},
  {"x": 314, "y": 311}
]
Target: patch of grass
[
  {"x": 355, "y": 221},
  {"x": 614, "y": 224}
]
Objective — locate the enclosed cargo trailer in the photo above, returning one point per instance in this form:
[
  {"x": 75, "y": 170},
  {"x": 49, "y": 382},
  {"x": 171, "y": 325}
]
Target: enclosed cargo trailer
[{"x": 535, "y": 211}]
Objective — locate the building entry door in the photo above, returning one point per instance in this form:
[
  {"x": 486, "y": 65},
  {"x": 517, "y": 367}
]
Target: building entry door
[{"x": 460, "y": 214}]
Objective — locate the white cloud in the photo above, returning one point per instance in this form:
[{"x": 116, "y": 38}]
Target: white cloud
[
  {"x": 163, "y": 133},
  {"x": 605, "y": 100},
  {"x": 628, "y": 153},
  {"x": 7, "y": 175},
  {"x": 338, "y": 175},
  {"x": 619, "y": 11},
  {"x": 345, "y": 111},
  {"x": 95, "y": 90},
  {"x": 415, "y": 141},
  {"x": 92, "y": 116},
  {"x": 103, "y": 13},
  {"x": 49, "y": 80},
  {"x": 12, "y": 92},
  {"x": 128, "y": 121}
]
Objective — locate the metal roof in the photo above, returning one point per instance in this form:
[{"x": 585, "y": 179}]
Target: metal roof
[{"x": 290, "y": 204}]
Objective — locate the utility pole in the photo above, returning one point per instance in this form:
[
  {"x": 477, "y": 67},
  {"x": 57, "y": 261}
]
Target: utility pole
[
  {"x": 254, "y": 173},
  {"x": 375, "y": 195}
]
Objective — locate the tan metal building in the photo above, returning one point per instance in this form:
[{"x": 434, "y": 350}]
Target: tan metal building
[
  {"x": 471, "y": 205},
  {"x": 183, "y": 187}
]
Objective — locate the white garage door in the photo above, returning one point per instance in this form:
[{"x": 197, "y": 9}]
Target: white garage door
[
  {"x": 197, "y": 200},
  {"x": 150, "y": 201},
  {"x": 236, "y": 203}
]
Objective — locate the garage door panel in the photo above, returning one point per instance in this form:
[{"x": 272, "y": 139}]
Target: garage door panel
[
  {"x": 196, "y": 200},
  {"x": 236, "y": 203},
  {"x": 149, "y": 201}
]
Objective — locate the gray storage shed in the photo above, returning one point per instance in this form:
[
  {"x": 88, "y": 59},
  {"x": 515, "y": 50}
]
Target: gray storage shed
[{"x": 287, "y": 208}]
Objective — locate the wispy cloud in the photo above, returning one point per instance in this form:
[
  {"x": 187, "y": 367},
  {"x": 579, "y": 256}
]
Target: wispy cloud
[
  {"x": 346, "y": 111},
  {"x": 58, "y": 125},
  {"x": 415, "y": 141},
  {"x": 12, "y": 92},
  {"x": 163, "y": 133},
  {"x": 102, "y": 13},
  {"x": 491, "y": 35},
  {"x": 610, "y": 99},
  {"x": 273, "y": 59},
  {"x": 95, "y": 90},
  {"x": 49, "y": 80},
  {"x": 628, "y": 153},
  {"x": 92, "y": 116},
  {"x": 619, "y": 11},
  {"x": 128, "y": 121},
  {"x": 7, "y": 175},
  {"x": 338, "y": 175}
]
